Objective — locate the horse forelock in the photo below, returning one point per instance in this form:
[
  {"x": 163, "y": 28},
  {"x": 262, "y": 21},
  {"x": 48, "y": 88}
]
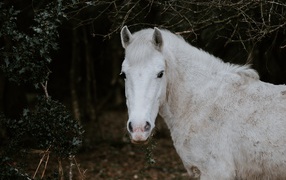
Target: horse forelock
[{"x": 141, "y": 49}]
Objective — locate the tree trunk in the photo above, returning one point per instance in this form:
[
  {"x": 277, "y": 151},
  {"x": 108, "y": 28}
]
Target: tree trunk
[{"x": 74, "y": 76}]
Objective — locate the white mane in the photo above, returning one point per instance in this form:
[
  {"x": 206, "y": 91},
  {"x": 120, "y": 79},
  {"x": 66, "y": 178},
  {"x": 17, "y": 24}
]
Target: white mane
[
  {"x": 203, "y": 59},
  {"x": 187, "y": 55}
]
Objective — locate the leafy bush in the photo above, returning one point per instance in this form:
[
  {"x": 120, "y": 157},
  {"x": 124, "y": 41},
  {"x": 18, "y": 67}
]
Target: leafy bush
[
  {"x": 26, "y": 55},
  {"x": 49, "y": 126}
]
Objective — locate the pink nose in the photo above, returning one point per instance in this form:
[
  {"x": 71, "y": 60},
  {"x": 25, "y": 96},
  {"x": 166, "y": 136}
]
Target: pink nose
[{"x": 146, "y": 128}]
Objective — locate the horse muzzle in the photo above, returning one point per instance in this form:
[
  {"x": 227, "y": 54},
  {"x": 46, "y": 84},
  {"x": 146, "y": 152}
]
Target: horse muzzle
[{"x": 139, "y": 133}]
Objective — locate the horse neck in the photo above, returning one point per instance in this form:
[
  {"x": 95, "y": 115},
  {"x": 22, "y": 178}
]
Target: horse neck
[
  {"x": 193, "y": 78},
  {"x": 188, "y": 69}
]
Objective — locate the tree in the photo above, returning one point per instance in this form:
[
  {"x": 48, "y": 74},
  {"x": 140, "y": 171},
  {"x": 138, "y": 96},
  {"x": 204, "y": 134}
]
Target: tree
[
  {"x": 256, "y": 28},
  {"x": 48, "y": 127}
]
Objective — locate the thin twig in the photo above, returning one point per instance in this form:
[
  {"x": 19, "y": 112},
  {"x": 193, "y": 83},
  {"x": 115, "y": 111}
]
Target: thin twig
[
  {"x": 283, "y": 46},
  {"x": 76, "y": 164},
  {"x": 71, "y": 165},
  {"x": 45, "y": 88},
  {"x": 46, "y": 163},
  {"x": 41, "y": 160},
  {"x": 61, "y": 171}
]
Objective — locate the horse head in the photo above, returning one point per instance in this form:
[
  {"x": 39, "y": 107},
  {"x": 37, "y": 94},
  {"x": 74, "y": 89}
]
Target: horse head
[{"x": 143, "y": 70}]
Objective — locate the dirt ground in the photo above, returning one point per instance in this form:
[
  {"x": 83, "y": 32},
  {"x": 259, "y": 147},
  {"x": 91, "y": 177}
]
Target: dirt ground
[
  {"x": 116, "y": 158},
  {"x": 107, "y": 154}
]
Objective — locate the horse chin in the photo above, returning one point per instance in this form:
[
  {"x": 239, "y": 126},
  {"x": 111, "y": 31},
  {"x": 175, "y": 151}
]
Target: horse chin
[{"x": 140, "y": 142}]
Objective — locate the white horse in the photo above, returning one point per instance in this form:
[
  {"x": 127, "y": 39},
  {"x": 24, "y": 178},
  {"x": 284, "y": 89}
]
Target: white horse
[{"x": 225, "y": 123}]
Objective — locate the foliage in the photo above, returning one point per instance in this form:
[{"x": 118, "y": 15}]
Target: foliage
[
  {"x": 50, "y": 126},
  {"x": 27, "y": 54},
  {"x": 149, "y": 152}
]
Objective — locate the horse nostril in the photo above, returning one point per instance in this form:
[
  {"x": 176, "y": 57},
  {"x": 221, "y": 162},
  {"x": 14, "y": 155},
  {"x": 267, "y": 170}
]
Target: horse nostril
[
  {"x": 130, "y": 127},
  {"x": 147, "y": 127}
]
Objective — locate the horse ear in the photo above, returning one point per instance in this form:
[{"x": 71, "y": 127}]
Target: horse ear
[
  {"x": 126, "y": 36},
  {"x": 157, "y": 38}
]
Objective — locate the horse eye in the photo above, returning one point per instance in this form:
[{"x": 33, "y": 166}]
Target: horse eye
[
  {"x": 123, "y": 75},
  {"x": 160, "y": 74}
]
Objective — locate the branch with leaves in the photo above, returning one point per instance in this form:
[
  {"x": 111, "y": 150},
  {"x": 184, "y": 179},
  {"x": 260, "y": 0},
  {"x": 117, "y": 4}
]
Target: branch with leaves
[{"x": 27, "y": 55}]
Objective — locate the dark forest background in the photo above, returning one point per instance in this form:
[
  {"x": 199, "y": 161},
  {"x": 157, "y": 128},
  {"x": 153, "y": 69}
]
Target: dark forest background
[{"x": 68, "y": 53}]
